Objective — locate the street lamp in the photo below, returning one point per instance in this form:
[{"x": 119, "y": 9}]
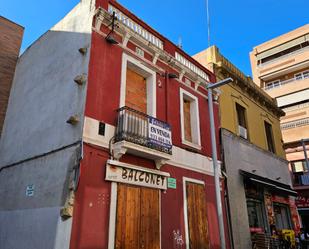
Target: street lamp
[{"x": 214, "y": 156}]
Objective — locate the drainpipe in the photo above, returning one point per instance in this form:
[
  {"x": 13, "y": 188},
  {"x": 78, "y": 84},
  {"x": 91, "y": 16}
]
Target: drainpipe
[{"x": 167, "y": 96}]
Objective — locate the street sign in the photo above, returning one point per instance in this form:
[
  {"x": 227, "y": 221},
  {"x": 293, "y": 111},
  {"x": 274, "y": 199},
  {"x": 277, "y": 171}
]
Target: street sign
[{"x": 171, "y": 183}]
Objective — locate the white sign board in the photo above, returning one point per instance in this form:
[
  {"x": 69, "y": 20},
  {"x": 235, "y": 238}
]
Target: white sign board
[{"x": 136, "y": 176}]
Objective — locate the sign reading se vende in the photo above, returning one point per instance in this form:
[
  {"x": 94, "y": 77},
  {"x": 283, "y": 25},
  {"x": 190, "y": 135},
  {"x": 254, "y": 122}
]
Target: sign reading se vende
[{"x": 130, "y": 174}]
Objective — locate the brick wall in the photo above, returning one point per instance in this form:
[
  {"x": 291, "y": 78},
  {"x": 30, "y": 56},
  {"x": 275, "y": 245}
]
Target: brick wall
[{"x": 10, "y": 41}]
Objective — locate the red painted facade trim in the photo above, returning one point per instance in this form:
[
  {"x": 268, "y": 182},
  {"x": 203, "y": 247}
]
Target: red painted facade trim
[{"x": 92, "y": 203}]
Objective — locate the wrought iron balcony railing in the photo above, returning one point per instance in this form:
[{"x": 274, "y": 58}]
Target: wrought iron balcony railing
[{"x": 139, "y": 128}]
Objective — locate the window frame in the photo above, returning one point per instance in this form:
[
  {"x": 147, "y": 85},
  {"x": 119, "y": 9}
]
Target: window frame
[
  {"x": 272, "y": 84},
  {"x": 241, "y": 107},
  {"x": 304, "y": 166},
  {"x": 288, "y": 213},
  {"x": 302, "y": 75},
  {"x": 195, "y": 119},
  {"x": 272, "y": 140},
  {"x": 257, "y": 204},
  {"x": 150, "y": 75}
]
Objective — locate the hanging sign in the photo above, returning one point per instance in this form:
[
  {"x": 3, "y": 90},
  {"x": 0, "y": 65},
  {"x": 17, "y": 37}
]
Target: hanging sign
[
  {"x": 130, "y": 174},
  {"x": 159, "y": 133}
]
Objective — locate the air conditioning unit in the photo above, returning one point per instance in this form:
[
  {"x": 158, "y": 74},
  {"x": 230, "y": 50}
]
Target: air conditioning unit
[{"x": 242, "y": 131}]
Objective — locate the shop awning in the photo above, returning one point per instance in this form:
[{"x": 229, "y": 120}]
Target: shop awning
[{"x": 271, "y": 184}]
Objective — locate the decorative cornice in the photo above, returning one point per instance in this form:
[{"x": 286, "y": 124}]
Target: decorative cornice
[
  {"x": 126, "y": 31},
  {"x": 227, "y": 69}
]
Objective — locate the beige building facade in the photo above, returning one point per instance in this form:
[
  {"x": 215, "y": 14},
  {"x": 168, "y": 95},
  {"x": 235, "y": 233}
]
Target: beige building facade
[
  {"x": 258, "y": 180},
  {"x": 281, "y": 67}
]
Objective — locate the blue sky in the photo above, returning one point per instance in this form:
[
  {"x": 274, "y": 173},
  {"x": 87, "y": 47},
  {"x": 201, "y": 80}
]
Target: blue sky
[{"x": 236, "y": 26}]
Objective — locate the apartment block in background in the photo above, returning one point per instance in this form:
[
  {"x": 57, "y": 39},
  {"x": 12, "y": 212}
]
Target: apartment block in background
[
  {"x": 11, "y": 35},
  {"x": 281, "y": 67},
  {"x": 259, "y": 193}
]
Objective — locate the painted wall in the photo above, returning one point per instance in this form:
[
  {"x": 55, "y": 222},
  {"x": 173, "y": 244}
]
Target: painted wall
[
  {"x": 36, "y": 220},
  {"x": 256, "y": 112},
  {"x": 44, "y": 94},
  {"x": 256, "y": 115},
  {"x": 92, "y": 203},
  {"x": 92, "y": 208},
  {"x": 253, "y": 158},
  {"x": 38, "y": 147},
  {"x": 105, "y": 66}
]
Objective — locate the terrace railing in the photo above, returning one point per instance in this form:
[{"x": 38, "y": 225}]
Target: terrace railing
[{"x": 139, "y": 128}]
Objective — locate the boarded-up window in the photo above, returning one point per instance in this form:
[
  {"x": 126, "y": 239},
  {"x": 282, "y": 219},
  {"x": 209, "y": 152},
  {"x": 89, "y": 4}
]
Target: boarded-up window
[
  {"x": 190, "y": 121},
  {"x": 137, "y": 220},
  {"x": 187, "y": 120},
  {"x": 197, "y": 216},
  {"x": 136, "y": 93}
]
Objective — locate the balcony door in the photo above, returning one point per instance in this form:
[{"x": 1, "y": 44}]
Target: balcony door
[
  {"x": 138, "y": 86},
  {"x": 137, "y": 218},
  {"x": 136, "y": 91}
]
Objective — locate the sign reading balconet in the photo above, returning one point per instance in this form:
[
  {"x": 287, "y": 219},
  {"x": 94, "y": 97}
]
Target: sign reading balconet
[
  {"x": 159, "y": 133},
  {"x": 126, "y": 173}
]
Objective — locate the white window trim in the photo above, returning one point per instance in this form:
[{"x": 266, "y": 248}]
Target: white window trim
[
  {"x": 150, "y": 75},
  {"x": 185, "y": 206},
  {"x": 271, "y": 84},
  {"x": 195, "y": 120},
  {"x": 112, "y": 216},
  {"x": 301, "y": 74}
]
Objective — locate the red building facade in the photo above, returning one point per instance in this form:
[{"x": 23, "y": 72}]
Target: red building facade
[{"x": 146, "y": 177}]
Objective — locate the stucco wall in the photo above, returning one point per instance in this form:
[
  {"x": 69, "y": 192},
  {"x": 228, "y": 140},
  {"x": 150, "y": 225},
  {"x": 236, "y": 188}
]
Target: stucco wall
[
  {"x": 36, "y": 220},
  {"x": 240, "y": 154},
  {"x": 44, "y": 94},
  {"x": 38, "y": 143},
  {"x": 256, "y": 111},
  {"x": 34, "y": 228},
  {"x": 255, "y": 117}
]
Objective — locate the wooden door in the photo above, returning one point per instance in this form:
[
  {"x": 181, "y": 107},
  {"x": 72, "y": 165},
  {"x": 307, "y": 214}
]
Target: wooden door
[
  {"x": 197, "y": 216},
  {"x": 136, "y": 93},
  {"x": 137, "y": 219}
]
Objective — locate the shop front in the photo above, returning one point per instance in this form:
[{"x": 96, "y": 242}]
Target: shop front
[
  {"x": 302, "y": 203},
  {"x": 272, "y": 212}
]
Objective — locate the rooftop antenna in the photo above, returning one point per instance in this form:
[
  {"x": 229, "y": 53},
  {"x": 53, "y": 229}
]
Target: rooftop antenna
[
  {"x": 208, "y": 22},
  {"x": 179, "y": 42}
]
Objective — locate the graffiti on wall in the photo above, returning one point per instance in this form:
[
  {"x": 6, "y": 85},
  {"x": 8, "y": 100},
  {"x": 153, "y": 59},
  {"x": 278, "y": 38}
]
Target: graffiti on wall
[{"x": 178, "y": 241}]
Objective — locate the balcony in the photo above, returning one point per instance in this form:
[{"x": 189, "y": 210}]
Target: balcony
[
  {"x": 142, "y": 135},
  {"x": 301, "y": 179},
  {"x": 287, "y": 55}
]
